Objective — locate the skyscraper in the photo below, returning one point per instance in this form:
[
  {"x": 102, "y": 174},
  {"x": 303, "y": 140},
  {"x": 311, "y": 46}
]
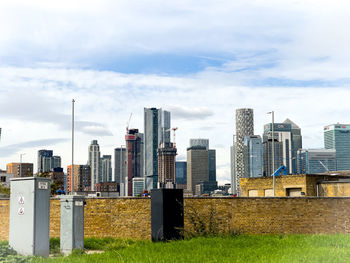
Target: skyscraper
[
  {"x": 283, "y": 133},
  {"x": 197, "y": 166},
  {"x": 41, "y": 160},
  {"x": 244, "y": 127},
  {"x": 157, "y": 130},
  {"x": 95, "y": 164},
  {"x": 82, "y": 178},
  {"x": 297, "y": 143},
  {"x": 106, "y": 168},
  {"x": 268, "y": 170},
  {"x": 134, "y": 159},
  {"x": 253, "y": 154},
  {"x": 119, "y": 165},
  {"x": 337, "y": 137},
  {"x": 166, "y": 165}
]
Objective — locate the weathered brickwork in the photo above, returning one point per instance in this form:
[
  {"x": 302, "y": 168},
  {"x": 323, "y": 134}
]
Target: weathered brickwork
[
  {"x": 4, "y": 219},
  {"x": 131, "y": 217},
  {"x": 334, "y": 189}
]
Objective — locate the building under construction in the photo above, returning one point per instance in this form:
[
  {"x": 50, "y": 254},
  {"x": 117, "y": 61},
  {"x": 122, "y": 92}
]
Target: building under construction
[{"x": 166, "y": 165}]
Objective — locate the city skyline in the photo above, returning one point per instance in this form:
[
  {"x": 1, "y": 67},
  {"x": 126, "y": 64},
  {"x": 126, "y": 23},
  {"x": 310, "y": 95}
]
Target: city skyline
[{"x": 200, "y": 62}]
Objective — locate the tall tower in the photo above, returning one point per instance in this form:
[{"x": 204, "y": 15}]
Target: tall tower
[
  {"x": 119, "y": 165},
  {"x": 297, "y": 143},
  {"x": 253, "y": 153},
  {"x": 157, "y": 130},
  {"x": 134, "y": 158},
  {"x": 106, "y": 168},
  {"x": 166, "y": 165},
  {"x": 94, "y": 162},
  {"x": 197, "y": 166},
  {"x": 244, "y": 127},
  {"x": 337, "y": 136}
]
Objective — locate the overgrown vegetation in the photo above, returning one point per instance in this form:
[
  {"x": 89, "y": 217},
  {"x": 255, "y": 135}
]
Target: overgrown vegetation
[
  {"x": 205, "y": 225},
  {"x": 239, "y": 248},
  {"x": 7, "y": 255},
  {"x": 4, "y": 190}
]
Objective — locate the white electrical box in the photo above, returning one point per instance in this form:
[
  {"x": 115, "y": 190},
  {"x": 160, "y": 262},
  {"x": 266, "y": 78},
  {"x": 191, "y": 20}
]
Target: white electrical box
[{"x": 30, "y": 216}]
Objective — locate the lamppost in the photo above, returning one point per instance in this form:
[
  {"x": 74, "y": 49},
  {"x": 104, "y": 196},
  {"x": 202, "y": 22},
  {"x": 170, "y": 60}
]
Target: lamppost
[
  {"x": 72, "y": 168},
  {"x": 20, "y": 164},
  {"x": 273, "y": 150}
]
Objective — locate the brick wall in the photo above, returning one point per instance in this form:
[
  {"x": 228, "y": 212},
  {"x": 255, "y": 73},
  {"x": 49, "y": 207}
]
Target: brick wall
[{"x": 130, "y": 217}]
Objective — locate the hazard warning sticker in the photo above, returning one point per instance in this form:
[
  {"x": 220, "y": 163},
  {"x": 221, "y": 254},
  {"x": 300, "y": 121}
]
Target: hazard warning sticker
[{"x": 21, "y": 211}]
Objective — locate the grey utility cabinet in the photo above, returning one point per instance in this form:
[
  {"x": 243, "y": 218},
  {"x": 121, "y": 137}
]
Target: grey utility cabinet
[
  {"x": 30, "y": 216},
  {"x": 72, "y": 223}
]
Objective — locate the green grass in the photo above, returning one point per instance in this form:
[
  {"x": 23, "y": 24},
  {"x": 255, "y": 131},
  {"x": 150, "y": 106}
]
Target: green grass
[{"x": 242, "y": 248}]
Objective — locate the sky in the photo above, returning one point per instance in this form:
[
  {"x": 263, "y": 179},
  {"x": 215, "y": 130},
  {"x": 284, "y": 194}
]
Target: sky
[{"x": 201, "y": 60}]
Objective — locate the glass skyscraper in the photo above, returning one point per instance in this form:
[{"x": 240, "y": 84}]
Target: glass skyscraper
[
  {"x": 157, "y": 131},
  {"x": 253, "y": 151},
  {"x": 337, "y": 137}
]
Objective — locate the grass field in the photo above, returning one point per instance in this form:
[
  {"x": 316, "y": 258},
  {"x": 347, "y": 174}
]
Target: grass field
[{"x": 241, "y": 248}]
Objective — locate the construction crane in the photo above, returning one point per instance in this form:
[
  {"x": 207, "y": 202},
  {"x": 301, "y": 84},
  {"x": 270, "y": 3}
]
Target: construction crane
[
  {"x": 174, "y": 129},
  {"x": 127, "y": 124}
]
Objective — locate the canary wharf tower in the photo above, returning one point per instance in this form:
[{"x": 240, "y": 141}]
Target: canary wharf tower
[{"x": 244, "y": 127}]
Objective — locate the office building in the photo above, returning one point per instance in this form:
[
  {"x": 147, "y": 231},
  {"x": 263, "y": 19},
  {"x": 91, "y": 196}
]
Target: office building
[
  {"x": 200, "y": 142},
  {"x": 95, "y": 163},
  {"x": 181, "y": 175},
  {"x": 106, "y": 168},
  {"x": 212, "y": 165},
  {"x": 253, "y": 154},
  {"x": 268, "y": 170},
  {"x": 119, "y": 165},
  {"x": 244, "y": 127},
  {"x": 157, "y": 131},
  {"x": 166, "y": 165},
  {"x": 44, "y": 160},
  {"x": 337, "y": 137},
  {"x": 297, "y": 142},
  {"x": 197, "y": 166},
  {"x": 20, "y": 169},
  {"x": 313, "y": 161},
  {"x": 134, "y": 158},
  {"x": 283, "y": 133}
]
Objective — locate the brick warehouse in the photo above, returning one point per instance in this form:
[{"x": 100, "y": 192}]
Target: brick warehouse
[
  {"x": 322, "y": 185},
  {"x": 130, "y": 217}
]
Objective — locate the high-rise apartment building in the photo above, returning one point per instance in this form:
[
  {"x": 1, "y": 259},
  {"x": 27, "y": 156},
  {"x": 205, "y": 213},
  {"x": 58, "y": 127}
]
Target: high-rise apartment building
[
  {"x": 134, "y": 159},
  {"x": 244, "y": 127},
  {"x": 82, "y": 178},
  {"x": 166, "y": 165},
  {"x": 337, "y": 137},
  {"x": 20, "y": 169},
  {"x": 119, "y": 165},
  {"x": 313, "y": 161},
  {"x": 197, "y": 166},
  {"x": 253, "y": 154},
  {"x": 95, "y": 163},
  {"x": 106, "y": 168},
  {"x": 157, "y": 131},
  {"x": 44, "y": 161}
]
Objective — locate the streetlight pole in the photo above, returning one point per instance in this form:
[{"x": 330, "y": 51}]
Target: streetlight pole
[
  {"x": 273, "y": 153},
  {"x": 72, "y": 168},
  {"x": 20, "y": 164}
]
